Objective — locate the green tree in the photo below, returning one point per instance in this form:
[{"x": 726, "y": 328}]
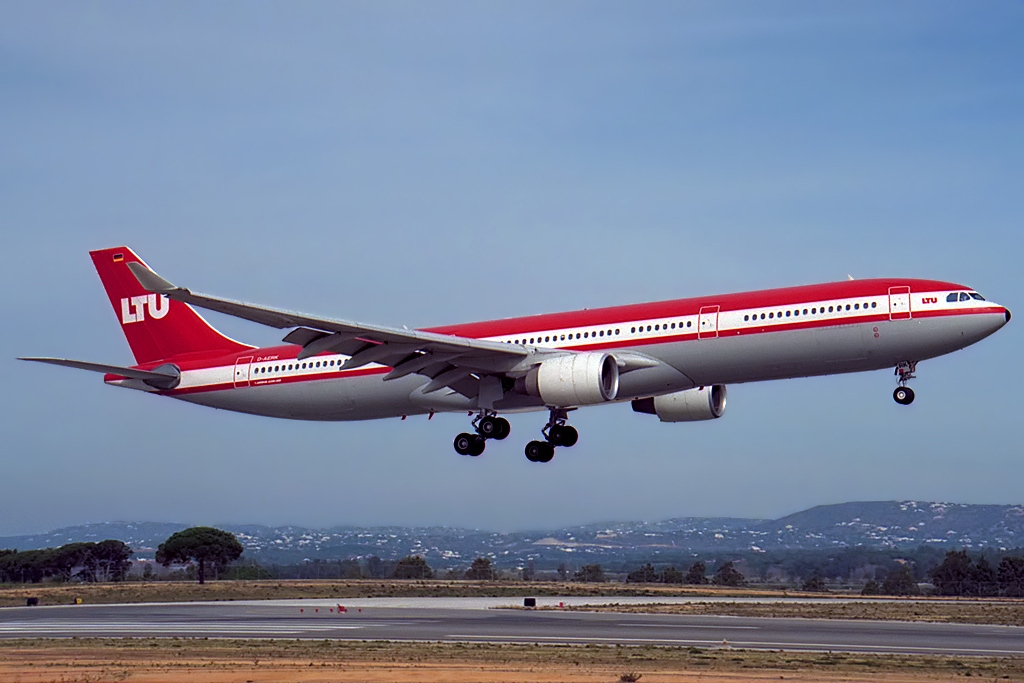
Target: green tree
[
  {"x": 204, "y": 545},
  {"x": 727, "y": 575},
  {"x": 900, "y": 581},
  {"x": 696, "y": 574},
  {"x": 480, "y": 570},
  {"x": 871, "y": 588},
  {"x": 671, "y": 575},
  {"x": 645, "y": 574},
  {"x": 815, "y": 584},
  {"x": 563, "y": 571},
  {"x": 954, "y": 576},
  {"x": 1011, "y": 576},
  {"x": 109, "y": 560},
  {"x": 984, "y": 578},
  {"x": 413, "y": 567},
  {"x": 591, "y": 573}
]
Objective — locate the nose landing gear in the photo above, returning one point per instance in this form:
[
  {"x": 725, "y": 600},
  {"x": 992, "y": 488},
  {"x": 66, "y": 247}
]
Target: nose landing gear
[
  {"x": 487, "y": 425},
  {"x": 556, "y": 433},
  {"x": 903, "y": 394}
]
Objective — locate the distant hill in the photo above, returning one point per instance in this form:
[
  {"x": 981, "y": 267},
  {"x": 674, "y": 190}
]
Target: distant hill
[{"x": 876, "y": 525}]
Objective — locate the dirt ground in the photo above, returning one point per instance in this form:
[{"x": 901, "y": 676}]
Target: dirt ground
[
  {"x": 1005, "y": 612},
  {"x": 238, "y": 661}
]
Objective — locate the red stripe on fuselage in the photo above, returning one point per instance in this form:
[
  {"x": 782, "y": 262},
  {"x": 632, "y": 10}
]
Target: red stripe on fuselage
[{"x": 769, "y": 298}]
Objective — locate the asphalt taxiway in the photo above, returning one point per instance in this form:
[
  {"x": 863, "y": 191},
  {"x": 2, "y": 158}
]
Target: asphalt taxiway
[{"x": 476, "y": 620}]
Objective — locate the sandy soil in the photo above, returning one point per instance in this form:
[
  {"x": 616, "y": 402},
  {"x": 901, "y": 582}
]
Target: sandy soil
[{"x": 161, "y": 661}]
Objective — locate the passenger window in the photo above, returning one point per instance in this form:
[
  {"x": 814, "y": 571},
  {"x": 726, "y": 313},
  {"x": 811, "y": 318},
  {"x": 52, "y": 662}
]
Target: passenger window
[
  {"x": 788, "y": 313},
  {"x": 762, "y": 316},
  {"x": 616, "y": 331},
  {"x": 829, "y": 309},
  {"x": 632, "y": 330},
  {"x": 689, "y": 323},
  {"x": 874, "y": 304},
  {"x": 847, "y": 306},
  {"x": 648, "y": 328},
  {"x": 856, "y": 307},
  {"x": 746, "y": 318},
  {"x": 771, "y": 315},
  {"x": 586, "y": 335}
]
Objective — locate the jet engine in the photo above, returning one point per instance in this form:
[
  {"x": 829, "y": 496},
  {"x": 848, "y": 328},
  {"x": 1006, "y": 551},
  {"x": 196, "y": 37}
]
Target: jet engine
[
  {"x": 577, "y": 379},
  {"x": 691, "y": 405}
]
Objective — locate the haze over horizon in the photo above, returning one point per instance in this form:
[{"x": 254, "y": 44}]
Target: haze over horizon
[{"x": 431, "y": 164}]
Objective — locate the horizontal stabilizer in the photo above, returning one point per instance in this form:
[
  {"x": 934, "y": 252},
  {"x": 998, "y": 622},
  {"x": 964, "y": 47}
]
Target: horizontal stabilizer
[{"x": 162, "y": 379}]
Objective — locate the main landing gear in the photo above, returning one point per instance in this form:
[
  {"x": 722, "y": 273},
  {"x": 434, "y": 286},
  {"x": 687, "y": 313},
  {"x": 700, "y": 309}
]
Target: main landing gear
[
  {"x": 556, "y": 433},
  {"x": 487, "y": 425},
  {"x": 904, "y": 395}
]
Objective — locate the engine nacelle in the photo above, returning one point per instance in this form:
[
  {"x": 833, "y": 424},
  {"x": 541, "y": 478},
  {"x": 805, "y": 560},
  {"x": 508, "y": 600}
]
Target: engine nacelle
[
  {"x": 578, "y": 379},
  {"x": 691, "y": 405}
]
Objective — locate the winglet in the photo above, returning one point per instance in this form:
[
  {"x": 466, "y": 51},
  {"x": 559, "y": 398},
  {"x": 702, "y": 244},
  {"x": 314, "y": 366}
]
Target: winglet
[{"x": 150, "y": 281}]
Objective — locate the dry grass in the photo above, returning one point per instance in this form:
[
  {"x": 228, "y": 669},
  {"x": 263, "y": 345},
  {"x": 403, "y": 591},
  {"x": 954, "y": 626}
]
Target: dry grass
[
  {"x": 168, "y": 591},
  {"x": 1007, "y": 613},
  {"x": 219, "y": 661}
]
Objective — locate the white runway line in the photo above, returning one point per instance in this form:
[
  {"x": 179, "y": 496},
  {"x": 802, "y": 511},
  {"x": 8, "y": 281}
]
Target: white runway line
[{"x": 705, "y": 627}]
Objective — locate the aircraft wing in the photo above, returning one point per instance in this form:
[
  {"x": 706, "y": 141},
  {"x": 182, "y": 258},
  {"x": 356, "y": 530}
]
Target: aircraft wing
[{"x": 446, "y": 359}]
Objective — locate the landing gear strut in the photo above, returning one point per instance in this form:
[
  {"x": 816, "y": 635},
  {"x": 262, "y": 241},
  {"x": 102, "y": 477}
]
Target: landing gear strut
[
  {"x": 487, "y": 425},
  {"x": 556, "y": 433},
  {"x": 903, "y": 394}
]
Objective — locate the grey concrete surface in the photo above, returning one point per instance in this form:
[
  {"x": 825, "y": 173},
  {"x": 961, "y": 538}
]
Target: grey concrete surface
[{"x": 447, "y": 620}]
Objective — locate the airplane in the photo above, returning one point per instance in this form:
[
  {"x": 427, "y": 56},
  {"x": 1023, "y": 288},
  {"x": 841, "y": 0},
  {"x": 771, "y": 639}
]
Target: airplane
[{"x": 671, "y": 359}]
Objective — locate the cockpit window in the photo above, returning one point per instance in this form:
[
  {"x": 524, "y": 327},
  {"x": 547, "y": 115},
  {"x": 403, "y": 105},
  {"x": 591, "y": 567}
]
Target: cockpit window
[
  {"x": 979, "y": 297},
  {"x": 951, "y": 297},
  {"x": 964, "y": 296}
]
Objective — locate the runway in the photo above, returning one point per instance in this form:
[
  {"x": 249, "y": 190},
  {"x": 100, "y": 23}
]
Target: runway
[{"x": 428, "y": 619}]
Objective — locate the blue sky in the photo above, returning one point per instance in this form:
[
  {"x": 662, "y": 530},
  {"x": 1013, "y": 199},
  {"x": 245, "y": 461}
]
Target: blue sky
[{"x": 432, "y": 163}]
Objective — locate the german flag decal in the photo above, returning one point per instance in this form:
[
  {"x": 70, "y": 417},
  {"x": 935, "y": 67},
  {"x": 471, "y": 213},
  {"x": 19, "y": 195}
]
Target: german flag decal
[{"x": 118, "y": 258}]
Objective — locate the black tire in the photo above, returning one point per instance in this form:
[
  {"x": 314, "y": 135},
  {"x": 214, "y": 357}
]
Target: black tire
[
  {"x": 463, "y": 443},
  {"x": 548, "y": 452},
  {"x": 903, "y": 395},
  {"x": 535, "y": 450},
  {"x": 504, "y": 428},
  {"x": 478, "y": 445},
  {"x": 569, "y": 436},
  {"x": 488, "y": 428},
  {"x": 555, "y": 435}
]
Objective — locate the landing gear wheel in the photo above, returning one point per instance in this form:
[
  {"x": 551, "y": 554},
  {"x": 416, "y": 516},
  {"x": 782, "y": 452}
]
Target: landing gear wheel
[
  {"x": 478, "y": 445},
  {"x": 903, "y": 395},
  {"x": 470, "y": 444},
  {"x": 493, "y": 427},
  {"x": 504, "y": 428},
  {"x": 563, "y": 435},
  {"x": 539, "y": 451}
]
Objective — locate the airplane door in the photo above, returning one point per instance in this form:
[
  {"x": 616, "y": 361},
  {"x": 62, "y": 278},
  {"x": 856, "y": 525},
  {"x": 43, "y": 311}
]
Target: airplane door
[
  {"x": 707, "y": 322},
  {"x": 242, "y": 371},
  {"x": 899, "y": 303}
]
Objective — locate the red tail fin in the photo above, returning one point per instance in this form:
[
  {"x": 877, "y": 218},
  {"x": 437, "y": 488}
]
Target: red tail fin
[{"x": 156, "y": 327}]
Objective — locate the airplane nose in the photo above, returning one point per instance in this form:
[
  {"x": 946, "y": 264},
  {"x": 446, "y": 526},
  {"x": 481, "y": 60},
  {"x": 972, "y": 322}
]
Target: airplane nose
[{"x": 1007, "y": 315}]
